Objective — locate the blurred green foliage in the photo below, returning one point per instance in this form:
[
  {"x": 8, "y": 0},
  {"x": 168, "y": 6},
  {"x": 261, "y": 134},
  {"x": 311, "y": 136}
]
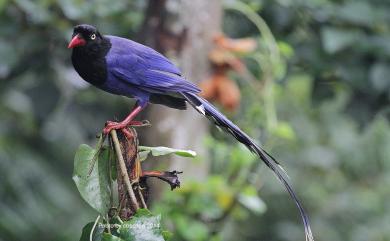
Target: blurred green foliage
[
  {"x": 329, "y": 93},
  {"x": 331, "y": 129},
  {"x": 47, "y": 112}
]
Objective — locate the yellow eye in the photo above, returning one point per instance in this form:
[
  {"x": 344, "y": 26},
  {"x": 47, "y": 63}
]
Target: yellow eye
[{"x": 93, "y": 36}]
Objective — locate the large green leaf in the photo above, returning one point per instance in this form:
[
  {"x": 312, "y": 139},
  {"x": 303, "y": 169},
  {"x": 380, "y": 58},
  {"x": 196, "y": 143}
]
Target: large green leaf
[
  {"x": 142, "y": 227},
  {"x": 94, "y": 188},
  {"x": 110, "y": 237},
  {"x": 97, "y": 233},
  {"x": 162, "y": 150}
]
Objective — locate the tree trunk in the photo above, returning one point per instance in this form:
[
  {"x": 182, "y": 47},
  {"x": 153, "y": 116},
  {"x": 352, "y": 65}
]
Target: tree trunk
[{"x": 195, "y": 25}]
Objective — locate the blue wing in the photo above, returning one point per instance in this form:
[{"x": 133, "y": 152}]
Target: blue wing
[{"x": 145, "y": 68}]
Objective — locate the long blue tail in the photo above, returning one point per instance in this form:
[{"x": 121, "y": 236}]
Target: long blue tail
[{"x": 208, "y": 110}]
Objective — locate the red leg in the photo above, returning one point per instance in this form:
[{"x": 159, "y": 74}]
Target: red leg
[
  {"x": 123, "y": 124},
  {"x": 131, "y": 123},
  {"x": 127, "y": 133}
]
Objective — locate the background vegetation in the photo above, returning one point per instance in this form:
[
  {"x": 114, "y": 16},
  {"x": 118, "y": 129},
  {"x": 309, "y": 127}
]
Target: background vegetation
[{"x": 324, "y": 112}]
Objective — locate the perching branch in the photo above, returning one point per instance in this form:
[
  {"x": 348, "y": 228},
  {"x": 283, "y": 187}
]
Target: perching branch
[
  {"x": 132, "y": 187},
  {"x": 96, "y": 172},
  {"x": 123, "y": 169}
]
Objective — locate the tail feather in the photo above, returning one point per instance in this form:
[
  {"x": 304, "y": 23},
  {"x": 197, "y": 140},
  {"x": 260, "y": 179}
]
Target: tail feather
[{"x": 207, "y": 109}]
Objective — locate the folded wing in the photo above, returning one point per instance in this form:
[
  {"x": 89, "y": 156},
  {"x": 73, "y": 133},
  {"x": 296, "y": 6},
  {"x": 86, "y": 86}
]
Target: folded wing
[{"x": 147, "y": 69}]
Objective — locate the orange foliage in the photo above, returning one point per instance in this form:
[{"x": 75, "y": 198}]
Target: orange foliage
[
  {"x": 223, "y": 90},
  {"x": 219, "y": 87},
  {"x": 239, "y": 46}
]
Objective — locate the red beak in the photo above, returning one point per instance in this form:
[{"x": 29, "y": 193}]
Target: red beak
[{"x": 77, "y": 40}]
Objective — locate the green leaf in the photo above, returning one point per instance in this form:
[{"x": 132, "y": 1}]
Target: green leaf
[
  {"x": 94, "y": 188},
  {"x": 167, "y": 235},
  {"x": 284, "y": 130},
  {"x": 191, "y": 229},
  {"x": 110, "y": 237},
  {"x": 285, "y": 49},
  {"x": 143, "y": 226},
  {"x": 300, "y": 87},
  {"x": 162, "y": 150},
  {"x": 143, "y": 155},
  {"x": 97, "y": 233},
  {"x": 249, "y": 199}
]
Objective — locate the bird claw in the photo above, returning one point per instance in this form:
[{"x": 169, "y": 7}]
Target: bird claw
[
  {"x": 142, "y": 123},
  {"x": 112, "y": 125}
]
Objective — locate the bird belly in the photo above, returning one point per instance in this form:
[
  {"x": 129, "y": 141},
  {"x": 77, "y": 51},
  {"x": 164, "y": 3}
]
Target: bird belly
[{"x": 118, "y": 87}]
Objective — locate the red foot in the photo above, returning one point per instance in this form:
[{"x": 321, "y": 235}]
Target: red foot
[{"x": 112, "y": 125}]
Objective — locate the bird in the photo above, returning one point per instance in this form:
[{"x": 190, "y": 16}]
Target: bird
[{"x": 126, "y": 68}]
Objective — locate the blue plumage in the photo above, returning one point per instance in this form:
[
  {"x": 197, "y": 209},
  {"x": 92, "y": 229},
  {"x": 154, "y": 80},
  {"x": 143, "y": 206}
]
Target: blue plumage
[
  {"x": 139, "y": 70},
  {"x": 124, "y": 67}
]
